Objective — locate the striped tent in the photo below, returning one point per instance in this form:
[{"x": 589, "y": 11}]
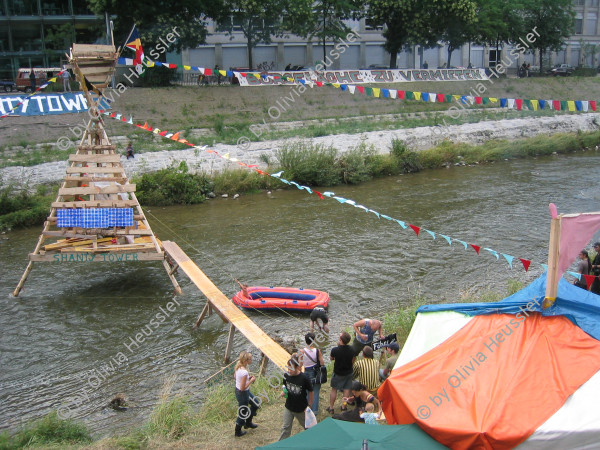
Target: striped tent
[{"x": 502, "y": 375}]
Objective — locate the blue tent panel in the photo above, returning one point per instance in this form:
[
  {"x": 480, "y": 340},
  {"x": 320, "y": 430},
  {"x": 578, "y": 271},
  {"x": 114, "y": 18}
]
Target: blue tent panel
[{"x": 580, "y": 306}]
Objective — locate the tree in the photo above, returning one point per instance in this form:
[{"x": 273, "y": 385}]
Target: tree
[
  {"x": 155, "y": 20},
  {"x": 550, "y": 22},
  {"x": 259, "y": 21},
  {"x": 323, "y": 19},
  {"x": 456, "y": 22},
  {"x": 498, "y": 22},
  {"x": 410, "y": 22}
]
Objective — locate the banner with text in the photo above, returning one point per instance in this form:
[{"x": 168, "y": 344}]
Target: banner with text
[
  {"x": 363, "y": 76},
  {"x": 42, "y": 104}
]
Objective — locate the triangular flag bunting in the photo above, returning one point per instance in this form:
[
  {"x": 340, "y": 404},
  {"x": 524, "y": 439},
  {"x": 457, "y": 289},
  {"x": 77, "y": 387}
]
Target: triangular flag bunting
[
  {"x": 526, "y": 263},
  {"x": 415, "y": 228},
  {"x": 475, "y": 247}
]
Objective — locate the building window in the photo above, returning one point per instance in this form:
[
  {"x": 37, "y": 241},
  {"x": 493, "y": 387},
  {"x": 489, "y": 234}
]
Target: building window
[
  {"x": 578, "y": 26},
  {"x": 591, "y": 20},
  {"x": 579, "y": 2},
  {"x": 371, "y": 26},
  {"x": 593, "y": 2}
]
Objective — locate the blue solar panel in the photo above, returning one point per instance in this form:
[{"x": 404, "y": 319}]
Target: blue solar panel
[{"x": 94, "y": 217}]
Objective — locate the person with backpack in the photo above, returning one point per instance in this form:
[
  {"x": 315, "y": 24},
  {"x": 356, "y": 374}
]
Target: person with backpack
[
  {"x": 296, "y": 388},
  {"x": 312, "y": 359}
]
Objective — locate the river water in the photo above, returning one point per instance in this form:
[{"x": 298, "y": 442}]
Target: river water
[{"x": 75, "y": 318}]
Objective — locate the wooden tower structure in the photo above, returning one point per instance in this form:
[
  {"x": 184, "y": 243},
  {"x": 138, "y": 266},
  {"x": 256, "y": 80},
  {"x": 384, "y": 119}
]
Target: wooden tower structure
[{"x": 96, "y": 216}]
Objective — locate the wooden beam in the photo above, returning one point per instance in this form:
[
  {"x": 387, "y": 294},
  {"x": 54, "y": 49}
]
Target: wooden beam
[
  {"x": 263, "y": 364},
  {"x": 87, "y": 148},
  {"x": 95, "y": 159},
  {"x": 96, "y": 190},
  {"x": 97, "y": 257},
  {"x": 202, "y": 315},
  {"x": 229, "y": 343},
  {"x": 553, "y": 258},
  {"x": 96, "y": 204},
  {"x": 111, "y": 170},
  {"x": 121, "y": 180},
  {"x": 103, "y": 231}
]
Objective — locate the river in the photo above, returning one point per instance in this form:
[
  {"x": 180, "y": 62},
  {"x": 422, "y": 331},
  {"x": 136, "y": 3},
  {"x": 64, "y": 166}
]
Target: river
[{"x": 73, "y": 318}]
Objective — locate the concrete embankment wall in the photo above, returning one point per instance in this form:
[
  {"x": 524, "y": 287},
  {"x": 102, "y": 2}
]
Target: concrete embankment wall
[{"x": 415, "y": 138}]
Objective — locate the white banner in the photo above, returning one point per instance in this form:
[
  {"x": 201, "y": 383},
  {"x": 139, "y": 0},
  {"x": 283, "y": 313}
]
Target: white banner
[{"x": 363, "y": 76}]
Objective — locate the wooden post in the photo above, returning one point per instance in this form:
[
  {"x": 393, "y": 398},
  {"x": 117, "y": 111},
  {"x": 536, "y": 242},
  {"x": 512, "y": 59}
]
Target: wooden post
[
  {"x": 202, "y": 315},
  {"x": 553, "y": 257},
  {"x": 263, "y": 364},
  {"x": 229, "y": 343},
  {"x": 171, "y": 277}
]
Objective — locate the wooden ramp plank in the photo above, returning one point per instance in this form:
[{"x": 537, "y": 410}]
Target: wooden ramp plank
[{"x": 226, "y": 309}]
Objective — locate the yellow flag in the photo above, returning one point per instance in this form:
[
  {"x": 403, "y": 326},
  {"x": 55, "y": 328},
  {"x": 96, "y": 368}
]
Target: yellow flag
[
  {"x": 149, "y": 63},
  {"x": 223, "y": 72},
  {"x": 52, "y": 80},
  {"x": 535, "y": 104},
  {"x": 493, "y": 100},
  {"x": 456, "y": 97},
  {"x": 187, "y": 67},
  {"x": 335, "y": 85},
  {"x": 376, "y": 92},
  {"x": 571, "y": 105},
  {"x": 417, "y": 95},
  {"x": 257, "y": 75}
]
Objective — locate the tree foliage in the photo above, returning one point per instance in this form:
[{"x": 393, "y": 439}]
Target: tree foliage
[
  {"x": 553, "y": 21},
  {"x": 155, "y": 19}
]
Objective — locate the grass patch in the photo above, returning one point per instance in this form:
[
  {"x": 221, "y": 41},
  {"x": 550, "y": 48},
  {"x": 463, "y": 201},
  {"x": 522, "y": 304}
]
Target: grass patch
[
  {"x": 48, "y": 431},
  {"x": 19, "y": 208}
]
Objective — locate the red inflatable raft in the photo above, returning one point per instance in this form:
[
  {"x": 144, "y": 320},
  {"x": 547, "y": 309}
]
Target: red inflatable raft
[{"x": 260, "y": 297}]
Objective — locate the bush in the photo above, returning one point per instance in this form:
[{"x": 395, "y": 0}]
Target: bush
[
  {"x": 407, "y": 161},
  {"x": 354, "y": 165},
  {"x": 172, "y": 186},
  {"x": 157, "y": 76},
  {"x": 314, "y": 165},
  {"x": 585, "y": 72},
  {"x": 46, "y": 431},
  {"x": 23, "y": 209}
]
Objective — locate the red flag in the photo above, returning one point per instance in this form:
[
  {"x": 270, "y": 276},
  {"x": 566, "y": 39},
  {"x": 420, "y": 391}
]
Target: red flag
[
  {"x": 519, "y": 103},
  {"x": 593, "y": 105},
  {"x": 319, "y": 83},
  {"x": 360, "y": 89},
  {"x": 589, "y": 279},
  {"x": 319, "y": 194},
  {"x": 415, "y": 228},
  {"x": 175, "y": 137},
  {"x": 441, "y": 98},
  {"x": 526, "y": 263},
  {"x": 556, "y": 104},
  {"x": 134, "y": 43},
  {"x": 207, "y": 72},
  {"x": 401, "y": 95},
  {"x": 476, "y": 247},
  {"x": 478, "y": 100},
  {"x": 162, "y": 133}
]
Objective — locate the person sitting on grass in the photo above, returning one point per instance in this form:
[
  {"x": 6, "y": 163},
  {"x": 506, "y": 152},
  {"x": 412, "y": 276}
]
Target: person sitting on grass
[
  {"x": 392, "y": 350},
  {"x": 360, "y": 397},
  {"x": 369, "y": 416}
]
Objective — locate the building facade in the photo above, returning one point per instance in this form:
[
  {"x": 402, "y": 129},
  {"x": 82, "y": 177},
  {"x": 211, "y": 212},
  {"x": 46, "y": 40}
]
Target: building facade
[{"x": 37, "y": 33}]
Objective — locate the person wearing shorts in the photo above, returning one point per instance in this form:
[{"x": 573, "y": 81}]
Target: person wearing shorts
[
  {"x": 343, "y": 359},
  {"x": 319, "y": 313}
]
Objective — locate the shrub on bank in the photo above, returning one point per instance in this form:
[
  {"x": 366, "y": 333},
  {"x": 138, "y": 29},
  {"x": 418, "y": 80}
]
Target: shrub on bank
[
  {"x": 173, "y": 186},
  {"x": 19, "y": 208},
  {"x": 50, "y": 430}
]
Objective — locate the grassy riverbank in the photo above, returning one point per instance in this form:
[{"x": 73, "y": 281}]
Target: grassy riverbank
[
  {"x": 176, "y": 423},
  {"x": 307, "y": 164},
  {"x": 205, "y": 115}
]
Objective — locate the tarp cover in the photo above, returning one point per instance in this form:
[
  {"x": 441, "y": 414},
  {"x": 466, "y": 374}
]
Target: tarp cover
[
  {"x": 336, "y": 434},
  {"x": 494, "y": 382},
  {"x": 580, "y": 306}
]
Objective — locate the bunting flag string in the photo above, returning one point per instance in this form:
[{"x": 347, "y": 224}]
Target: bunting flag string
[
  {"x": 431, "y": 97},
  {"x": 175, "y": 137},
  {"x": 37, "y": 90}
]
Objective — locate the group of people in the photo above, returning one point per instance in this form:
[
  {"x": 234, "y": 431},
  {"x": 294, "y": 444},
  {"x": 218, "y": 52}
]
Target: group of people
[
  {"x": 585, "y": 266},
  {"x": 357, "y": 378}
]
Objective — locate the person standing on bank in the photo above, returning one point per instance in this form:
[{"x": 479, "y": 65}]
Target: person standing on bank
[
  {"x": 66, "y": 79},
  {"x": 298, "y": 391},
  {"x": 343, "y": 359},
  {"x": 32, "y": 79},
  {"x": 583, "y": 268},
  {"x": 595, "y": 287},
  {"x": 392, "y": 350},
  {"x": 310, "y": 356},
  {"x": 129, "y": 151},
  {"x": 365, "y": 331},
  {"x": 247, "y": 406}
]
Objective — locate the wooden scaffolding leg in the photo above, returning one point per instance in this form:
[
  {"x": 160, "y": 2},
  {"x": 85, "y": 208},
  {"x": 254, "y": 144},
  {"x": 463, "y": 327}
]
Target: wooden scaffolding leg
[
  {"x": 172, "y": 278},
  {"x": 229, "y": 343},
  {"x": 202, "y": 315},
  {"x": 263, "y": 364},
  {"x": 23, "y": 279}
]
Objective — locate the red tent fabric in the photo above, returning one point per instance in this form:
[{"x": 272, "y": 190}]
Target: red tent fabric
[{"x": 494, "y": 382}]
